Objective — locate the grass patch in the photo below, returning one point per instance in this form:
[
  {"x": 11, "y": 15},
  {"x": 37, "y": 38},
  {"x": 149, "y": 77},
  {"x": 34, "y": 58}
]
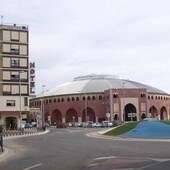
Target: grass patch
[
  {"x": 122, "y": 129},
  {"x": 166, "y": 122}
]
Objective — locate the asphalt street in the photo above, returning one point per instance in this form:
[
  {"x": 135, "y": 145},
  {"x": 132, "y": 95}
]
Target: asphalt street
[{"x": 73, "y": 149}]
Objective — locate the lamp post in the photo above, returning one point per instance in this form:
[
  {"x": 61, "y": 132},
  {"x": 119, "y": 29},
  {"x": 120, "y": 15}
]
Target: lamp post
[
  {"x": 20, "y": 107},
  {"x": 123, "y": 102},
  {"x": 111, "y": 100},
  {"x": 85, "y": 105},
  {"x": 42, "y": 105}
]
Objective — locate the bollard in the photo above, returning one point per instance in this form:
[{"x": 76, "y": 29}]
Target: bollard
[{"x": 1, "y": 142}]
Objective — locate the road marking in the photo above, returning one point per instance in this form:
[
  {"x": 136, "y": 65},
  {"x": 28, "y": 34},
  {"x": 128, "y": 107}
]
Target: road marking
[{"x": 34, "y": 166}]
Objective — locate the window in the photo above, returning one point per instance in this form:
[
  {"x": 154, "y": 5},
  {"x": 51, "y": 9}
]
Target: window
[
  {"x": 115, "y": 95},
  {"x": 88, "y": 97},
  {"x": 25, "y": 101},
  {"x": 142, "y": 95},
  {"x": 14, "y": 63},
  {"x": 10, "y": 103},
  {"x": 6, "y": 89},
  {"x": 14, "y": 77},
  {"x": 93, "y": 98},
  {"x": 23, "y": 50},
  {"x": 15, "y": 36},
  {"x": 14, "y": 51},
  {"x": 100, "y": 97},
  {"x": 23, "y": 37},
  {"x": 77, "y": 99},
  {"x": 62, "y": 100}
]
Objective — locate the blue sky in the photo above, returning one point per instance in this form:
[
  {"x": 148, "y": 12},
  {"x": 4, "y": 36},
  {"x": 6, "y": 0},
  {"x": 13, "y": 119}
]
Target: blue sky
[{"x": 70, "y": 38}]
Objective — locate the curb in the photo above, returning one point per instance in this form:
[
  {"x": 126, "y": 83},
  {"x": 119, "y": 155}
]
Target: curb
[
  {"x": 21, "y": 136},
  {"x": 7, "y": 153},
  {"x": 118, "y": 138}
]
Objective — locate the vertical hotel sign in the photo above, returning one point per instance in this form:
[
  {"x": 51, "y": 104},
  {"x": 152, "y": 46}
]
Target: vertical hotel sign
[{"x": 32, "y": 78}]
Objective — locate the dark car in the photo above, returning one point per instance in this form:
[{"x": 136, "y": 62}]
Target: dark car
[
  {"x": 28, "y": 125},
  {"x": 61, "y": 125}
]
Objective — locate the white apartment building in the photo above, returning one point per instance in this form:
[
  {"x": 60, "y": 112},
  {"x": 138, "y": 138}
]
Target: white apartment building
[{"x": 14, "y": 74}]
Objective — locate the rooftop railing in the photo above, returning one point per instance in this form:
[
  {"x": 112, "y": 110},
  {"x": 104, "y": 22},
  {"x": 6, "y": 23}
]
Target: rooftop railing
[{"x": 13, "y": 26}]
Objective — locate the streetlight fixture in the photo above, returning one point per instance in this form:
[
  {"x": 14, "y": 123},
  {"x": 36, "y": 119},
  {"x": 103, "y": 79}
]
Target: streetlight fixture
[
  {"x": 123, "y": 102},
  {"x": 42, "y": 105},
  {"x": 111, "y": 100},
  {"x": 20, "y": 107},
  {"x": 85, "y": 105}
]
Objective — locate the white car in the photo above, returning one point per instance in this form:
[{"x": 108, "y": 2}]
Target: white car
[
  {"x": 108, "y": 123},
  {"x": 96, "y": 125}
]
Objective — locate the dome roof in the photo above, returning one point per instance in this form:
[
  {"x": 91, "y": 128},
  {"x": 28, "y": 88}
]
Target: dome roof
[{"x": 96, "y": 84}]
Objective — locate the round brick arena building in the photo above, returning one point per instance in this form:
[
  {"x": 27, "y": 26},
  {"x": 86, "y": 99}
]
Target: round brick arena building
[{"x": 101, "y": 97}]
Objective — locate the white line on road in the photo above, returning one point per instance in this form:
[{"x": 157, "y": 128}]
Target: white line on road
[{"x": 34, "y": 166}]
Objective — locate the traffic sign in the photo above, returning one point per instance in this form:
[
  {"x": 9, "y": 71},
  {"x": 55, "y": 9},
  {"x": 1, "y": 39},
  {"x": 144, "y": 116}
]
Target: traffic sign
[{"x": 131, "y": 114}]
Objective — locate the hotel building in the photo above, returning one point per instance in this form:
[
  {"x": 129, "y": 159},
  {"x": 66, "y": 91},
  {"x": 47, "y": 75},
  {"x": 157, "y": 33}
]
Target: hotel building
[{"x": 14, "y": 74}]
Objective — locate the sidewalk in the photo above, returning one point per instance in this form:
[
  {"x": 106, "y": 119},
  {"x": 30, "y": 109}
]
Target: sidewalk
[{"x": 7, "y": 153}]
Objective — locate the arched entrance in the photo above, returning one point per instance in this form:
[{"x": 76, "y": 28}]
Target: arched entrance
[
  {"x": 11, "y": 123},
  {"x": 143, "y": 116},
  {"x": 71, "y": 116},
  {"x": 130, "y": 108},
  {"x": 116, "y": 117},
  {"x": 153, "y": 111},
  {"x": 56, "y": 117},
  {"x": 163, "y": 114},
  {"x": 90, "y": 115}
]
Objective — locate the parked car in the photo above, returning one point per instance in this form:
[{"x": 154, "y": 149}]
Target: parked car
[
  {"x": 104, "y": 125},
  {"x": 107, "y": 124},
  {"x": 28, "y": 125},
  {"x": 23, "y": 123},
  {"x": 77, "y": 124},
  {"x": 61, "y": 125},
  {"x": 88, "y": 124},
  {"x": 96, "y": 125},
  {"x": 34, "y": 124}
]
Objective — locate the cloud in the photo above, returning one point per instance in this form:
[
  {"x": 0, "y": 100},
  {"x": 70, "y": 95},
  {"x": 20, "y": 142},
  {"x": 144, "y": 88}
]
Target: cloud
[{"x": 71, "y": 38}]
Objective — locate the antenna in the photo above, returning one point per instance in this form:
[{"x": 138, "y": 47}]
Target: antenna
[{"x": 2, "y": 17}]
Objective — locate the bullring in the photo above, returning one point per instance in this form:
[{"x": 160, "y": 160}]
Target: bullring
[{"x": 91, "y": 97}]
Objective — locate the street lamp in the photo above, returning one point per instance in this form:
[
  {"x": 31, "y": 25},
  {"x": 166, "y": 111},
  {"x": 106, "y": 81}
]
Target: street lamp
[
  {"x": 42, "y": 105},
  {"x": 123, "y": 102},
  {"x": 85, "y": 105},
  {"x": 111, "y": 100},
  {"x": 20, "y": 108}
]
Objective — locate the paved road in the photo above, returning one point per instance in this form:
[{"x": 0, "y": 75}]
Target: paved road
[{"x": 71, "y": 149}]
